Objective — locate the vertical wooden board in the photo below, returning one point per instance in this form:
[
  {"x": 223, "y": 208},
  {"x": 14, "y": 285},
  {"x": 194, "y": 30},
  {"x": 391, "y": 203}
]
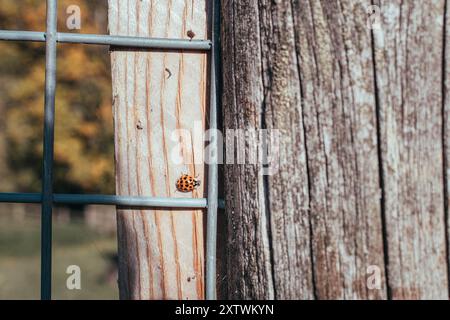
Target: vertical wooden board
[
  {"x": 408, "y": 51},
  {"x": 446, "y": 124},
  {"x": 156, "y": 93},
  {"x": 287, "y": 187},
  {"x": 249, "y": 273},
  {"x": 305, "y": 68},
  {"x": 336, "y": 70},
  {"x": 269, "y": 233}
]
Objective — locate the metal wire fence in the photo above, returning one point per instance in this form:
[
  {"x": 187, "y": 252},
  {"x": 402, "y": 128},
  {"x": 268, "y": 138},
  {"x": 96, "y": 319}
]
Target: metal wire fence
[{"x": 47, "y": 198}]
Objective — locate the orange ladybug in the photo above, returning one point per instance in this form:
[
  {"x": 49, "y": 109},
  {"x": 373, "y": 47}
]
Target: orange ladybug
[{"x": 187, "y": 183}]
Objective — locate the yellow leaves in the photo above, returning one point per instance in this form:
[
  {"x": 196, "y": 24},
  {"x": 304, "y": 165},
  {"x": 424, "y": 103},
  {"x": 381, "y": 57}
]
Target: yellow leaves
[
  {"x": 104, "y": 112},
  {"x": 84, "y": 158},
  {"x": 23, "y": 14},
  {"x": 74, "y": 64},
  {"x": 67, "y": 150},
  {"x": 88, "y": 130},
  {"x": 30, "y": 86},
  {"x": 87, "y": 170},
  {"x": 101, "y": 168},
  {"x": 34, "y": 18},
  {"x": 9, "y": 7},
  {"x": 18, "y": 127}
]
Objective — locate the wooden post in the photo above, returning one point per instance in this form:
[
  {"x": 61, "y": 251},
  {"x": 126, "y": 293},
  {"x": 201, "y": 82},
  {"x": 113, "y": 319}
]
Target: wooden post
[
  {"x": 320, "y": 225},
  {"x": 408, "y": 59},
  {"x": 359, "y": 195},
  {"x": 155, "y": 93},
  {"x": 446, "y": 123}
]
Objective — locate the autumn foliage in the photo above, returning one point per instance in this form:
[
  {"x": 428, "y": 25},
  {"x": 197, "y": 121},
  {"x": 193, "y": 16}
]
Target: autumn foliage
[{"x": 84, "y": 160}]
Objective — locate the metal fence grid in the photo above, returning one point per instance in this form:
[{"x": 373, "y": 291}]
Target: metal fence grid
[{"x": 47, "y": 198}]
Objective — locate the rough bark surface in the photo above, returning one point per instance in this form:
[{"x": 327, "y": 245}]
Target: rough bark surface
[
  {"x": 360, "y": 186},
  {"x": 409, "y": 55},
  {"x": 446, "y": 125},
  {"x": 156, "y": 93}
]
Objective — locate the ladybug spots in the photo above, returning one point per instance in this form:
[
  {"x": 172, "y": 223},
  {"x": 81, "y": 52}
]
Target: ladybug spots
[{"x": 187, "y": 183}]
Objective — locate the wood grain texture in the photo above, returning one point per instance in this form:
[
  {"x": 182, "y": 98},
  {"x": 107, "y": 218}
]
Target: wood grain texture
[
  {"x": 336, "y": 69},
  {"x": 155, "y": 93},
  {"x": 409, "y": 56},
  {"x": 304, "y": 67},
  {"x": 365, "y": 148},
  {"x": 249, "y": 273},
  {"x": 446, "y": 125}
]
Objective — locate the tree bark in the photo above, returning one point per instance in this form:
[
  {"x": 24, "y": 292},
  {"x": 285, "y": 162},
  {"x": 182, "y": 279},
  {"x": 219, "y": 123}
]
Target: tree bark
[
  {"x": 360, "y": 186},
  {"x": 409, "y": 56},
  {"x": 156, "y": 93},
  {"x": 446, "y": 124}
]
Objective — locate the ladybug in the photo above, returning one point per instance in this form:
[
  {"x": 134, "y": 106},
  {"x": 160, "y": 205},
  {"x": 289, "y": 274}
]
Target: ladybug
[{"x": 187, "y": 183}]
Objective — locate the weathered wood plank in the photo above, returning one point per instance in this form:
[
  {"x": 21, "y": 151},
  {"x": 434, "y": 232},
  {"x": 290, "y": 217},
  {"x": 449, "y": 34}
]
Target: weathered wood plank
[
  {"x": 336, "y": 70},
  {"x": 249, "y": 273},
  {"x": 317, "y": 221},
  {"x": 155, "y": 93},
  {"x": 408, "y": 50},
  {"x": 446, "y": 124}
]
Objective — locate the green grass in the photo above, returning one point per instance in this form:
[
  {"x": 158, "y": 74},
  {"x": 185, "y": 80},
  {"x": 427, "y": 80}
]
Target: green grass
[{"x": 73, "y": 244}]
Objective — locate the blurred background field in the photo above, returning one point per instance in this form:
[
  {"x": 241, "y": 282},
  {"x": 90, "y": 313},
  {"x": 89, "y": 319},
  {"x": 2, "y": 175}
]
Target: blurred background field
[
  {"x": 84, "y": 154},
  {"x": 74, "y": 243}
]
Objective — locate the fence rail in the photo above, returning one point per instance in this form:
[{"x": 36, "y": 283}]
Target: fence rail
[{"x": 100, "y": 39}]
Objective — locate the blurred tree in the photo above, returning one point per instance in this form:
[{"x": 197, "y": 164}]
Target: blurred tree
[{"x": 84, "y": 146}]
